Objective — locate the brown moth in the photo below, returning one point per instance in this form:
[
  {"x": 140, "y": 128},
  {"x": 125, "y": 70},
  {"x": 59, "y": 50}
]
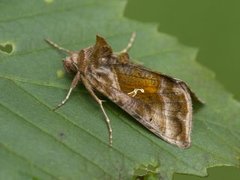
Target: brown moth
[{"x": 159, "y": 102}]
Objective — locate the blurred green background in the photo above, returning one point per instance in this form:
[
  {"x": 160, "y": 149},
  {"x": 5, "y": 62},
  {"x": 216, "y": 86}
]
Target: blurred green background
[{"x": 211, "y": 26}]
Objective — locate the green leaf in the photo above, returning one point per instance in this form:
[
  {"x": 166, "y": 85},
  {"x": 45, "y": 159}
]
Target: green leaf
[{"x": 72, "y": 143}]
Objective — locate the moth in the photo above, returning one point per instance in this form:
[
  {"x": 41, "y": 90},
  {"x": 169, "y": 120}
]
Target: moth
[{"x": 159, "y": 102}]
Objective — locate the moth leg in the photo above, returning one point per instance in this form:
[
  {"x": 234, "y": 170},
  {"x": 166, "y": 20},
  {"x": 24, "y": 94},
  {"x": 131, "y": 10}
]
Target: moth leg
[
  {"x": 73, "y": 85},
  {"x": 99, "y": 101},
  {"x": 130, "y": 43},
  {"x": 58, "y": 47}
]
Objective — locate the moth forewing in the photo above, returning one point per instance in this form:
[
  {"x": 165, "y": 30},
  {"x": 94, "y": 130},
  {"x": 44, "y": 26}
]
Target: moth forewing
[{"x": 159, "y": 103}]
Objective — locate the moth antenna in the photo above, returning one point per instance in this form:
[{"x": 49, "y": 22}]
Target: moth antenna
[
  {"x": 130, "y": 43},
  {"x": 57, "y": 46}
]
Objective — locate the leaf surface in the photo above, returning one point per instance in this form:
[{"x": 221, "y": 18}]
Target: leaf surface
[{"x": 72, "y": 143}]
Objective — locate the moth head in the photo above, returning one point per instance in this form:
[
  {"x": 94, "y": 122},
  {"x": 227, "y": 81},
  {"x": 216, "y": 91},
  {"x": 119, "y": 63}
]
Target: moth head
[{"x": 70, "y": 63}]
